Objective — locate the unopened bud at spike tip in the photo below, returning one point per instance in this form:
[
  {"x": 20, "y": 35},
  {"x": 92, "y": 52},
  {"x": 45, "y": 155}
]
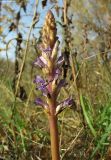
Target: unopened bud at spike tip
[{"x": 49, "y": 31}]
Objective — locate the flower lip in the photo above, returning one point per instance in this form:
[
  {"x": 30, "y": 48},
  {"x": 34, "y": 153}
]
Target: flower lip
[
  {"x": 43, "y": 60},
  {"x": 56, "y": 73},
  {"x": 64, "y": 104},
  {"x": 44, "y": 89},
  {"x": 42, "y": 85},
  {"x": 39, "y": 79},
  {"x": 40, "y": 102},
  {"x": 47, "y": 50},
  {"x": 67, "y": 102},
  {"x": 39, "y": 63},
  {"x": 62, "y": 83}
]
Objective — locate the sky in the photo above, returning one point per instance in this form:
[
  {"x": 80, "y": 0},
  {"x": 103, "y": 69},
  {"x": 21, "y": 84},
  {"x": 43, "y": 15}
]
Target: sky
[{"x": 26, "y": 19}]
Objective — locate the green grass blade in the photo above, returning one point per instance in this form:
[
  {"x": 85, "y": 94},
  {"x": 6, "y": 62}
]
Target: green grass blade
[
  {"x": 102, "y": 141},
  {"x": 86, "y": 116}
]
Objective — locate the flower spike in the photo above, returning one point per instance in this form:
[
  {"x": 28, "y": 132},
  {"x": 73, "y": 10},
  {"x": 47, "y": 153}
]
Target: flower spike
[{"x": 51, "y": 64}]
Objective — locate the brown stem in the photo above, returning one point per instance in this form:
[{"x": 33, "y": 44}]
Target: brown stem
[{"x": 54, "y": 137}]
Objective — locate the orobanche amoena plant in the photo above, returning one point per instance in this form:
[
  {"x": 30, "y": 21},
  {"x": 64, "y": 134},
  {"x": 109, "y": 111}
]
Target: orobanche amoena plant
[{"x": 50, "y": 82}]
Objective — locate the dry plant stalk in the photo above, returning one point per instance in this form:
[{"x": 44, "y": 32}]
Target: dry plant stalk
[
  {"x": 65, "y": 12},
  {"x": 51, "y": 65}
]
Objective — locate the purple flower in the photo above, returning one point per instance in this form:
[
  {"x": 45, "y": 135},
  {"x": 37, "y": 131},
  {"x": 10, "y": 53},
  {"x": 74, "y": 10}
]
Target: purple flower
[
  {"x": 39, "y": 63},
  {"x": 43, "y": 60},
  {"x": 56, "y": 73},
  {"x": 42, "y": 85},
  {"x": 62, "y": 83},
  {"x": 68, "y": 102},
  {"x": 50, "y": 56},
  {"x": 39, "y": 79},
  {"x": 40, "y": 102},
  {"x": 44, "y": 90},
  {"x": 47, "y": 50}
]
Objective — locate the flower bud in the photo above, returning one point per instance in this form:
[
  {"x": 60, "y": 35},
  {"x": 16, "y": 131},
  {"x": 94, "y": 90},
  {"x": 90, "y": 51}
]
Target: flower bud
[{"x": 49, "y": 31}]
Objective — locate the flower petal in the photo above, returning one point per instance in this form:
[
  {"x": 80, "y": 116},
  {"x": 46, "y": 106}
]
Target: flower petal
[
  {"x": 43, "y": 60},
  {"x": 44, "y": 90},
  {"x": 62, "y": 83},
  {"x": 66, "y": 103},
  {"x": 39, "y": 63},
  {"x": 40, "y": 102},
  {"x": 39, "y": 79},
  {"x": 47, "y": 50},
  {"x": 56, "y": 73}
]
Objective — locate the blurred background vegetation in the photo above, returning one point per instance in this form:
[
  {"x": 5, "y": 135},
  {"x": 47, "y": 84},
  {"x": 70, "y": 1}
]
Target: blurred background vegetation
[{"x": 84, "y": 30}]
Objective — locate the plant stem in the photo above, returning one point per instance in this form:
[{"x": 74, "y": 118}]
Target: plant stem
[{"x": 54, "y": 137}]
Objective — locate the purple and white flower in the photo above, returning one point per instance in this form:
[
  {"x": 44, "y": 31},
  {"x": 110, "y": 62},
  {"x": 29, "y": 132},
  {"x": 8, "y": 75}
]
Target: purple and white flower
[{"x": 52, "y": 85}]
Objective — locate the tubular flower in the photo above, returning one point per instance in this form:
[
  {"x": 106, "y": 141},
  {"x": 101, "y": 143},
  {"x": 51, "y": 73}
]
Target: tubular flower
[{"x": 51, "y": 64}]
